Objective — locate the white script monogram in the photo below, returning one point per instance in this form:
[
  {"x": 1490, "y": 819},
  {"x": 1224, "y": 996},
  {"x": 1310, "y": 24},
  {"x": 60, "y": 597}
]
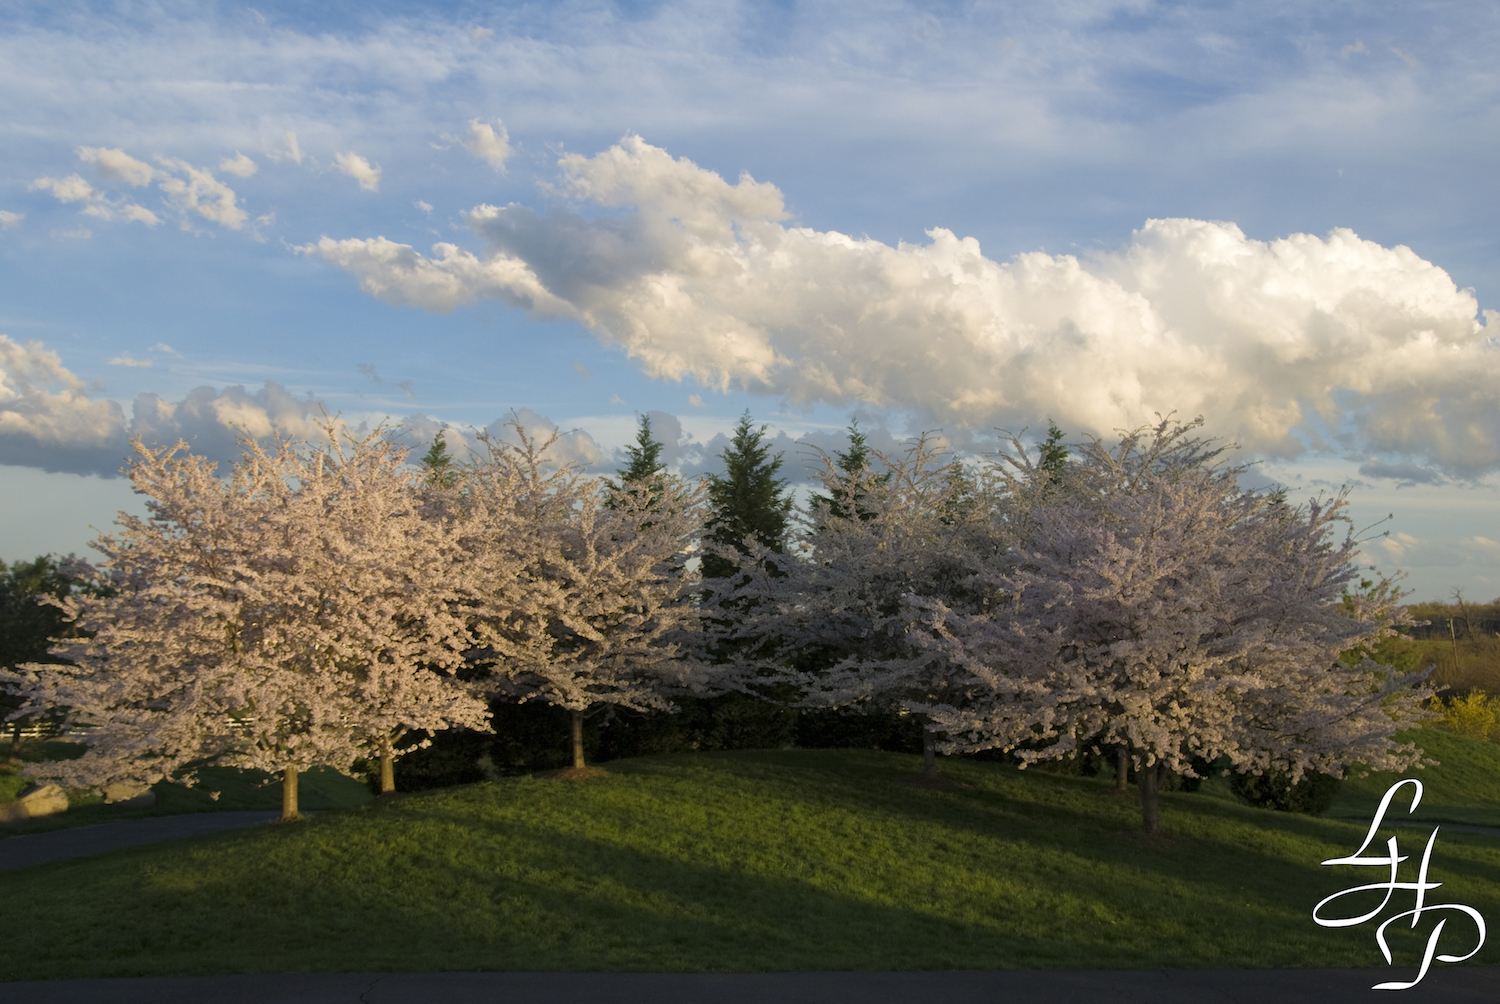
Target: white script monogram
[{"x": 1421, "y": 887}]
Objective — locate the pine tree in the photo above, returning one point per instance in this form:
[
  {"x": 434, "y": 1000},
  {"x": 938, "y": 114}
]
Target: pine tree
[
  {"x": 437, "y": 462},
  {"x": 854, "y": 479},
  {"x": 748, "y": 501},
  {"x": 645, "y": 459}
]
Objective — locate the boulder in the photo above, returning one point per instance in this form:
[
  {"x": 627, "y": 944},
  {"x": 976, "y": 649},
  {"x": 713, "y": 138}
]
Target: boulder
[
  {"x": 124, "y": 793},
  {"x": 45, "y": 800}
]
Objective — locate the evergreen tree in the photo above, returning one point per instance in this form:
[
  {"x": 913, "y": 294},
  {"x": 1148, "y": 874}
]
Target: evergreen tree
[
  {"x": 844, "y": 497},
  {"x": 748, "y": 501},
  {"x": 438, "y": 464},
  {"x": 645, "y": 459}
]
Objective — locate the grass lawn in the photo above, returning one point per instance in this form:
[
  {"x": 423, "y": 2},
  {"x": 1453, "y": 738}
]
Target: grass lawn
[{"x": 736, "y": 861}]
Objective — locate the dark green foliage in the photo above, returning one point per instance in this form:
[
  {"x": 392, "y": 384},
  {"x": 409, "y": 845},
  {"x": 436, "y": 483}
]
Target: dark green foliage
[
  {"x": 854, "y": 463},
  {"x": 645, "y": 459},
  {"x": 439, "y": 464},
  {"x": 27, "y": 626},
  {"x": 1312, "y": 795},
  {"x": 533, "y": 737},
  {"x": 845, "y": 728},
  {"x": 1053, "y": 453},
  {"x": 748, "y": 501}
]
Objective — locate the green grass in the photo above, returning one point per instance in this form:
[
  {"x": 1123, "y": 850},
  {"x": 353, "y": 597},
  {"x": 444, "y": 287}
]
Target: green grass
[
  {"x": 1463, "y": 788},
  {"x": 741, "y": 861}
]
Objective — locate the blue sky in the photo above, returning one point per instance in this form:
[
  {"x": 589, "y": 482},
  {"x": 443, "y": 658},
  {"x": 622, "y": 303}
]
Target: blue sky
[{"x": 934, "y": 216}]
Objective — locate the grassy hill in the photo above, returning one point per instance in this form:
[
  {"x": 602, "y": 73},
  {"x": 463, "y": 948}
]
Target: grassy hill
[{"x": 784, "y": 860}]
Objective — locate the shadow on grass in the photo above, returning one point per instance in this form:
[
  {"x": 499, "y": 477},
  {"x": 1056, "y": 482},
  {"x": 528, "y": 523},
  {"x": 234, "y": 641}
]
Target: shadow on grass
[{"x": 776, "y": 861}]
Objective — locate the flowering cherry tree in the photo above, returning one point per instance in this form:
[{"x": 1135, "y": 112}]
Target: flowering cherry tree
[
  {"x": 579, "y": 592},
  {"x": 1156, "y": 605},
  {"x": 297, "y": 613},
  {"x": 839, "y": 622}
]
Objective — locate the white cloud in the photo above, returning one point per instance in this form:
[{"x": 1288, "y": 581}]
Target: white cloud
[
  {"x": 166, "y": 349},
  {"x": 1483, "y": 548},
  {"x": 118, "y": 164},
  {"x": 238, "y": 165},
  {"x": 10, "y": 220},
  {"x": 49, "y": 420},
  {"x": 397, "y": 274},
  {"x": 359, "y": 169},
  {"x": 289, "y": 150},
  {"x": 695, "y": 400},
  {"x": 477, "y": 35},
  {"x": 45, "y": 404},
  {"x": 200, "y": 192},
  {"x": 1337, "y": 342},
  {"x": 96, "y": 203},
  {"x": 125, "y": 359},
  {"x": 423, "y": 205},
  {"x": 70, "y": 189},
  {"x": 488, "y": 144}
]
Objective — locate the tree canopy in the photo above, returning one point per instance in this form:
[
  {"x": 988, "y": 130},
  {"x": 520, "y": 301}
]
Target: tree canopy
[{"x": 747, "y": 501}]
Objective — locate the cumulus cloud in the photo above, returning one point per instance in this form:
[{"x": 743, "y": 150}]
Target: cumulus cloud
[
  {"x": 198, "y": 191},
  {"x": 95, "y": 203},
  {"x": 118, "y": 164},
  {"x": 46, "y": 413},
  {"x": 359, "y": 169},
  {"x": 574, "y": 446},
  {"x": 238, "y": 165},
  {"x": 48, "y": 419},
  {"x": 70, "y": 189},
  {"x": 125, "y": 359},
  {"x": 490, "y": 144},
  {"x": 10, "y": 220},
  {"x": 1326, "y": 342}
]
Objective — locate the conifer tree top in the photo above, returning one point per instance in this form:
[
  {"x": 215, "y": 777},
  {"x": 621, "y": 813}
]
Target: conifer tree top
[
  {"x": 645, "y": 457},
  {"x": 749, "y": 499}
]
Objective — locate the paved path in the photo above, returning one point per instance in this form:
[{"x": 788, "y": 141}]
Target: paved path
[
  {"x": 1454, "y": 984},
  {"x": 81, "y": 841}
]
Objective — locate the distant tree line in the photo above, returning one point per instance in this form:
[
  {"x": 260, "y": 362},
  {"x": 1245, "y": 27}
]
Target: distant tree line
[{"x": 334, "y": 605}]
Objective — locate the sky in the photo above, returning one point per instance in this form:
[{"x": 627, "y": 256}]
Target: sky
[{"x": 219, "y": 219}]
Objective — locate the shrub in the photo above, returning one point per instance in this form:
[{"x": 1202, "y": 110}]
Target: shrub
[
  {"x": 1476, "y": 716},
  {"x": 1311, "y": 795}
]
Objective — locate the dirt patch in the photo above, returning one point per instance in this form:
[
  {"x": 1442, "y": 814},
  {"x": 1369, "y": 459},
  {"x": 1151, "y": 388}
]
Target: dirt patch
[
  {"x": 936, "y": 783},
  {"x": 574, "y": 774}
]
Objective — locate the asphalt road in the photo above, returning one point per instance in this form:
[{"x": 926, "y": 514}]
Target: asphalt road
[
  {"x": 81, "y": 841},
  {"x": 1444, "y": 985}
]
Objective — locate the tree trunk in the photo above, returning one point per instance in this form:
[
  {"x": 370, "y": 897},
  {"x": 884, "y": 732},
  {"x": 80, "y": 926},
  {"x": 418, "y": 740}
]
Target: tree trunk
[
  {"x": 578, "y": 739},
  {"x": 1122, "y": 769},
  {"x": 1149, "y": 780},
  {"x": 15, "y": 742},
  {"x": 289, "y": 795},
  {"x": 929, "y": 749},
  {"x": 387, "y": 773}
]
